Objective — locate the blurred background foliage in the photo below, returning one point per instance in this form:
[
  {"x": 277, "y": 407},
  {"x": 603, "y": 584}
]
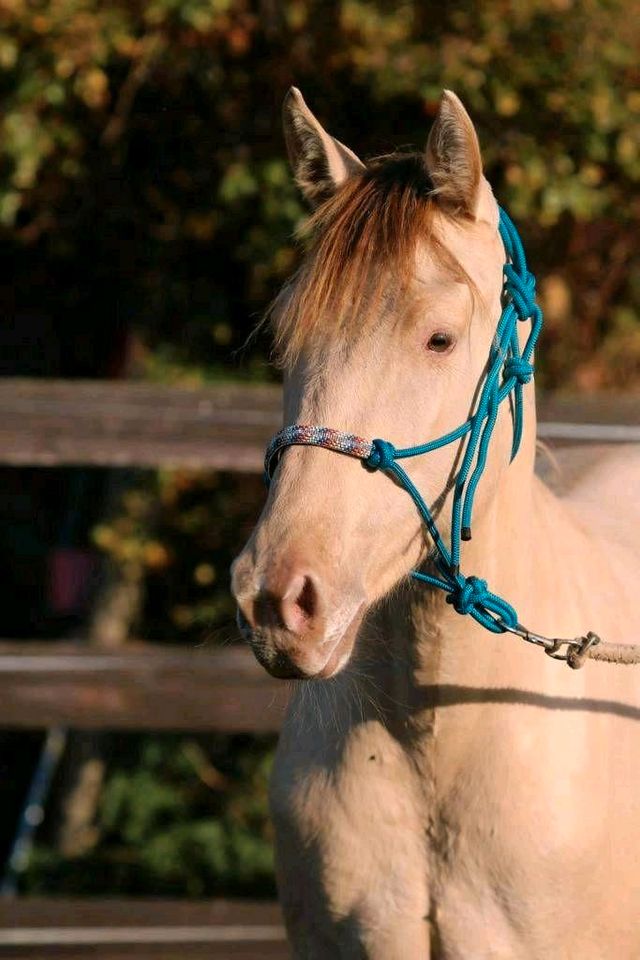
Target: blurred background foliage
[
  {"x": 176, "y": 816},
  {"x": 177, "y": 532},
  {"x": 145, "y": 198},
  {"x": 142, "y": 164}
]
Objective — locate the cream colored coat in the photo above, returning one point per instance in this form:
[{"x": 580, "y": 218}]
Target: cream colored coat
[{"x": 448, "y": 793}]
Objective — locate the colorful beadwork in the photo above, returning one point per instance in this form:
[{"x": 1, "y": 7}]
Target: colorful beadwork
[{"x": 301, "y": 434}]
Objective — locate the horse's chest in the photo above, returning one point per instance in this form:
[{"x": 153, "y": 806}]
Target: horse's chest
[
  {"x": 510, "y": 826},
  {"x": 467, "y": 846},
  {"x": 384, "y": 854},
  {"x": 474, "y": 870}
]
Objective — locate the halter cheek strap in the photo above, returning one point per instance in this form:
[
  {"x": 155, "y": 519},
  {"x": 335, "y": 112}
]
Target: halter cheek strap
[{"x": 508, "y": 372}]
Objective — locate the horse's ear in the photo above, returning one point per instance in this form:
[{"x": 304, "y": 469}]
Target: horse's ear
[
  {"x": 454, "y": 162},
  {"x": 320, "y": 163}
]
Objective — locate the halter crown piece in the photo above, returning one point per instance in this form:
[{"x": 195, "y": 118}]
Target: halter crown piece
[{"x": 508, "y": 371}]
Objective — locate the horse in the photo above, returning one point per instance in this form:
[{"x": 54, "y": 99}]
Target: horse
[{"x": 440, "y": 790}]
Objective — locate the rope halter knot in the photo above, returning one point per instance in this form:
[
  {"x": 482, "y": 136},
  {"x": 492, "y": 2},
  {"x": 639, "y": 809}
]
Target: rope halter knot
[
  {"x": 471, "y": 595},
  {"x": 518, "y": 368},
  {"x": 382, "y": 456},
  {"x": 521, "y": 289},
  {"x": 468, "y": 595}
]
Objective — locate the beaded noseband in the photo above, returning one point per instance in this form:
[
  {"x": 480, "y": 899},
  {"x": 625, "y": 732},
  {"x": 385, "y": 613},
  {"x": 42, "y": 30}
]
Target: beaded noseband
[{"x": 508, "y": 371}]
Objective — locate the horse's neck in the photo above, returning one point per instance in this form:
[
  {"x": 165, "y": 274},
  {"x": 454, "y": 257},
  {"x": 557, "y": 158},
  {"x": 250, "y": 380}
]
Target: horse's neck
[
  {"x": 516, "y": 543},
  {"x": 451, "y": 648},
  {"x": 530, "y": 549},
  {"x": 535, "y": 552}
]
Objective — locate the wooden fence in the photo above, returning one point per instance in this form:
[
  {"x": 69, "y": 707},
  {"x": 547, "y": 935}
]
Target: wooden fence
[
  {"x": 141, "y": 686},
  {"x": 224, "y": 427},
  {"x": 116, "y": 929},
  {"x": 156, "y": 687}
]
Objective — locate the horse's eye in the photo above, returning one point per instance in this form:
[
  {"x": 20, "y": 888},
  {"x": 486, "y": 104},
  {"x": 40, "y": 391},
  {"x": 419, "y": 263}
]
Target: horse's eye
[{"x": 440, "y": 342}]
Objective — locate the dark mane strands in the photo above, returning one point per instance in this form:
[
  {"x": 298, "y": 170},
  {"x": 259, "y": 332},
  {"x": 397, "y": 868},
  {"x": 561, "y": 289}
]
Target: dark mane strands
[{"x": 360, "y": 239}]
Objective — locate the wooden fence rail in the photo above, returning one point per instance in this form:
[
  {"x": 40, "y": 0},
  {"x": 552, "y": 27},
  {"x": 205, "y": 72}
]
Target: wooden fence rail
[
  {"x": 221, "y": 427},
  {"x": 140, "y": 686},
  {"x": 119, "y": 929},
  {"x": 129, "y": 424}
]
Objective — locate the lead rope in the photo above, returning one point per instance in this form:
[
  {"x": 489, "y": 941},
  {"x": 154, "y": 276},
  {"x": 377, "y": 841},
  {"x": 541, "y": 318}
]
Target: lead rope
[{"x": 508, "y": 371}]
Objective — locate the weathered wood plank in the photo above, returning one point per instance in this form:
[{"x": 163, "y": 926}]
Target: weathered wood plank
[
  {"x": 143, "y": 686},
  {"x": 221, "y": 427},
  {"x": 33, "y": 927},
  {"x": 158, "y": 951},
  {"x": 121, "y": 424},
  {"x": 229, "y": 950},
  {"x": 37, "y": 912}
]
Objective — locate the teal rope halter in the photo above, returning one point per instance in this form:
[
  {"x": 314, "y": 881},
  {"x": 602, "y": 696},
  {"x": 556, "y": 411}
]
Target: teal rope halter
[{"x": 508, "y": 371}]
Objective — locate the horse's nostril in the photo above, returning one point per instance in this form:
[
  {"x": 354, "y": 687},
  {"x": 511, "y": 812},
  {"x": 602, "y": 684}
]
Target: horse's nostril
[
  {"x": 299, "y": 606},
  {"x": 306, "y": 599},
  {"x": 292, "y": 604}
]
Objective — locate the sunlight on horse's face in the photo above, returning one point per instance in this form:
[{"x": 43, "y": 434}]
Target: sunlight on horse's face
[{"x": 334, "y": 537}]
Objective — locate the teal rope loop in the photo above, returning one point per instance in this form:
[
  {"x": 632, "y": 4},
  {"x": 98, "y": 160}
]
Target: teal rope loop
[
  {"x": 519, "y": 369},
  {"x": 472, "y": 596},
  {"x": 508, "y": 371},
  {"x": 382, "y": 456},
  {"x": 469, "y": 596}
]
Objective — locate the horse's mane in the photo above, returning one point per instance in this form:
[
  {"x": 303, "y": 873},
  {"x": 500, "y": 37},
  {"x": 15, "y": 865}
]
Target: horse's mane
[{"x": 361, "y": 248}]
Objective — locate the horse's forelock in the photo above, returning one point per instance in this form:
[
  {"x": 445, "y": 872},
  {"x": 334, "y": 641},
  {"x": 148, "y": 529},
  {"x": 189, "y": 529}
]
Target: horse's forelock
[{"x": 361, "y": 246}]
